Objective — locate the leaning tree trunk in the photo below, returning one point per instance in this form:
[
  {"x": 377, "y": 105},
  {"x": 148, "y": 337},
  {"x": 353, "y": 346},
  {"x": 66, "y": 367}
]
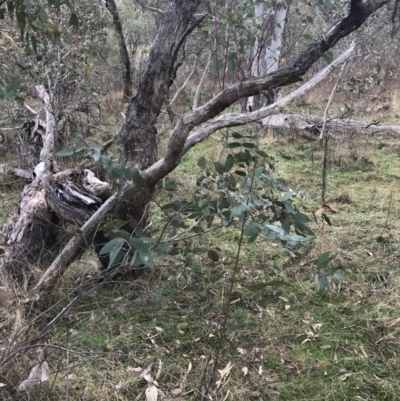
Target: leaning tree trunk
[
  {"x": 33, "y": 229},
  {"x": 139, "y": 131},
  {"x": 31, "y": 226}
]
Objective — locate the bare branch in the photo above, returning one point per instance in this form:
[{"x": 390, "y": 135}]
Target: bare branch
[
  {"x": 325, "y": 117},
  {"x": 80, "y": 241},
  {"x": 335, "y": 125},
  {"x": 30, "y": 109},
  {"x": 9, "y": 129},
  {"x": 48, "y": 140},
  {"x": 237, "y": 119},
  {"x": 7, "y": 169},
  {"x": 146, "y": 7},
  {"x": 197, "y": 94},
  {"x": 184, "y": 84}
]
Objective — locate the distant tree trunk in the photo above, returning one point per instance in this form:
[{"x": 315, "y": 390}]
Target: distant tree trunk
[
  {"x": 267, "y": 55},
  {"x": 126, "y": 64}
]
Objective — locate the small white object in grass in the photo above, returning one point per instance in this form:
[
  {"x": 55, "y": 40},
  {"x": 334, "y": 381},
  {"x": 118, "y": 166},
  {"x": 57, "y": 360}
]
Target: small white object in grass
[
  {"x": 151, "y": 393},
  {"x": 131, "y": 369},
  {"x": 175, "y": 391},
  {"x": 245, "y": 371}
]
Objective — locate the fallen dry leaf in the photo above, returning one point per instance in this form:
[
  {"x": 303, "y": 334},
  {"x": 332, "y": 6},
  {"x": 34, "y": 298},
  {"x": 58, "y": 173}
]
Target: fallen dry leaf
[
  {"x": 151, "y": 393},
  {"x": 176, "y": 391},
  {"x": 345, "y": 376},
  {"x": 245, "y": 371},
  {"x": 131, "y": 369},
  {"x": 38, "y": 374}
]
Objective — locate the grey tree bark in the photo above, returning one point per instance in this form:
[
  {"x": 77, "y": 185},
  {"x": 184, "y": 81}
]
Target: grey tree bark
[
  {"x": 267, "y": 55},
  {"x": 139, "y": 131},
  {"x": 126, "y": 64}
]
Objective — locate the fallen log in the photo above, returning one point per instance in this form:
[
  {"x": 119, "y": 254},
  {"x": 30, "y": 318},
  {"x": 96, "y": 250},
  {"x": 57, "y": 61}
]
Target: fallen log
[{"x": 305, "y": 122}]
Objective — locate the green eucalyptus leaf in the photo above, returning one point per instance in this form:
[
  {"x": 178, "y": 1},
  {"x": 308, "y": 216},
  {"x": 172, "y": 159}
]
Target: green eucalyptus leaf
[
  {"x": 339, "y": 276},
  {"x": 230, "y": 161},
  {"x": 139, "y": 245},
  {"x": 238, "y": 210},
  {"x": 322, "y": 283},
  {"x": 219, "y": 167},
  {"x": 147, "y": 259},
  {"x": 202, "y": 162},
  {"x": 252, "y": 229},
  {"x": 112, "y": 248},
  {"x": 65, "y": 152},
  {"x": 74, "y": 21}
]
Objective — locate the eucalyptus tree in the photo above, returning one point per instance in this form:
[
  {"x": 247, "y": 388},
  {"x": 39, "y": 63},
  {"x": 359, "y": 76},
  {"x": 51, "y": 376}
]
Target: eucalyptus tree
[{"x": 143, "y": 167}]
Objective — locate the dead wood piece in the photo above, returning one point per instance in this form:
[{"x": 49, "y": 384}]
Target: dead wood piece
[
  {"x": 336, "y": 125},
  {"x": 95, "y": 186},
  {"x": 18, "y": 172},
  {"x": 75, "y": 247},
  {"x": 71, "y": 203},
  {"x": 30, "y": 142}
]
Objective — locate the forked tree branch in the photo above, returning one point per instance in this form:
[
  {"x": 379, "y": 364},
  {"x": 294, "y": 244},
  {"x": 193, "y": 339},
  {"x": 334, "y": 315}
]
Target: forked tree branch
[
  {"x": 237, "y": 119},
  {"x": 359, "y": 11},
  {"x": 68, "y": 254}
]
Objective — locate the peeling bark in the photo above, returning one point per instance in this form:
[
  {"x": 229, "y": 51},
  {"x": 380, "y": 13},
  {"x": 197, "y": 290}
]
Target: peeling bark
[{"x": 139, "y": 130}]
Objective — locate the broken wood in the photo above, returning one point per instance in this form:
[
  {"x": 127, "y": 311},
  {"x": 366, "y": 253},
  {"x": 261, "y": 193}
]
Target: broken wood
[{"x": 305, "y": 122}]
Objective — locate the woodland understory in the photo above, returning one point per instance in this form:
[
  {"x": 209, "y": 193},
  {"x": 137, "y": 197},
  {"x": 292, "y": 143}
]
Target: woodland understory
[{"x": 138, "y": 191}]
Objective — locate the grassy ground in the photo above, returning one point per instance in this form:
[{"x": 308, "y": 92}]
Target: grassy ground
[{"x": 284, "y": 343}]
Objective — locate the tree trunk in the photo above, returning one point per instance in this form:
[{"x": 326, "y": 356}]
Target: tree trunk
[
  {"x": 123, "y": 51},
  {"x": 267, "y": 55},
  {"x": 139, "y": 131}
]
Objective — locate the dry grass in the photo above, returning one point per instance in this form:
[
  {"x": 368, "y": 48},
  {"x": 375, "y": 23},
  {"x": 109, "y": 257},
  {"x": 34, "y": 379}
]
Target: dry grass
[{"x": 285, "y": 342}]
